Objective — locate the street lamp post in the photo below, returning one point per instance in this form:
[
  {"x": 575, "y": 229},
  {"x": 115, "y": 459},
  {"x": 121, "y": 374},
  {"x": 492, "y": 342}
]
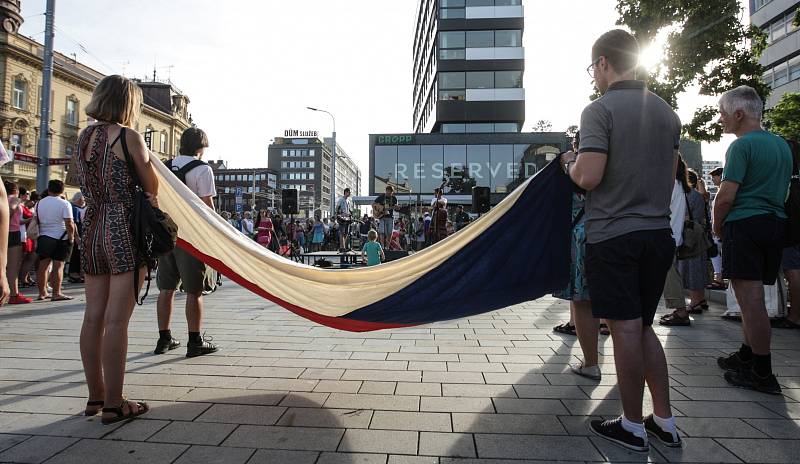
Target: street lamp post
[
  {"x": 333, "y": 161},
  {"x": 44, "y": 145}
]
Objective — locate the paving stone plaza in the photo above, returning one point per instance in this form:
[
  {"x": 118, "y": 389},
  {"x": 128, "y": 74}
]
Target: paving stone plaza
[{"x": 488, "y": 389}]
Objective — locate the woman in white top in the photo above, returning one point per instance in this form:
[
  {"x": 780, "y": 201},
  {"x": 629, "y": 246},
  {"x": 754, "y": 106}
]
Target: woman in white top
[{"x": 673, "y": 286}]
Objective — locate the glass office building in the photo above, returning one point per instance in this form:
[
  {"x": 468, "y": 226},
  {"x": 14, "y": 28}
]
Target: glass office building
[
  {"x": 416, "y": 164},
  {"x": 468, "y": 66},
  {"x": 469, "y": 109}
]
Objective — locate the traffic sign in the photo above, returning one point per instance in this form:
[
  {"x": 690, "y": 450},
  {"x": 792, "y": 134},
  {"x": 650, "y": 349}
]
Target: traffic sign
[
  {"x": 239, "y": 200},
  {"x": 239, "y": 191},
  {"x": 238, "y": 207}
]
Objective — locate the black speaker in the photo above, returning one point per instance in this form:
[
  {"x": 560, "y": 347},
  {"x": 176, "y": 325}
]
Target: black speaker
[
  {"x": 480, "y": 200},
  {"x": 289, "y": 201},
  {"x": 392, "y": 255}
]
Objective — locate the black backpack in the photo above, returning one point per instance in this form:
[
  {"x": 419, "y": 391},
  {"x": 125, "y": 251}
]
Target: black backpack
[
  {"x": 793, "y": 200},
  {"x": 180, "y": 173},
  {"x": 154, "y": 233}
]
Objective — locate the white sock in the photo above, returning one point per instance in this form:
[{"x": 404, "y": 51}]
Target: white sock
[
  {"x": 634, "y": 428},
  {"x": 667, "y": 425}
]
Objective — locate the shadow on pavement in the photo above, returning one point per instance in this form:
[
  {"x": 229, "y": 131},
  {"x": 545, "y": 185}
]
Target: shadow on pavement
[{"x": 268, "y": 427}]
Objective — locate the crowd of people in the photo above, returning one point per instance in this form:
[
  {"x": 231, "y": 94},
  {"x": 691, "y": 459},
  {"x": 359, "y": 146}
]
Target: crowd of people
[
  {"x": 346, "y": 231},
  {"x": 643, "y": 228}
]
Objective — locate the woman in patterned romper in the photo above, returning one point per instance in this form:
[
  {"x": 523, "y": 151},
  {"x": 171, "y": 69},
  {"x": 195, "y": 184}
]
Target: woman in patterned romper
[{"x": 108, "y": 256}]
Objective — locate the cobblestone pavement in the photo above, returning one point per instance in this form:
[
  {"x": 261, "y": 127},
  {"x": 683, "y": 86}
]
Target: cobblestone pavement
[{"x": 491, "y": 388}]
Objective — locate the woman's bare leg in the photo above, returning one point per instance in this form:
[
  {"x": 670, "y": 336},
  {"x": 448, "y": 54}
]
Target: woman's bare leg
[
  {"x": 92, "y": 334},
  {"x": 115, "y": 340}
]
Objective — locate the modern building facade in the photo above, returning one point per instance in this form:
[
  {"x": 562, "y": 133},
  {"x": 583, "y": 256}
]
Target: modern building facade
[
  {"x": 468, "y": 66},
  {"x": 469, "y": 109},
  {"x": 416, "y": 164},
  {"x": 256, "y": 188},
  {"x": 348, "y": 174},
  {"x": 164, "y": 115},
  {"x": 782, "y": 57},
  {"x": 304, "y": 163}
]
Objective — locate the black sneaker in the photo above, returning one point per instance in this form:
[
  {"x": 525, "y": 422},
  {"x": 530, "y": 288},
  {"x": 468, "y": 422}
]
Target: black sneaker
[
  {"x": 673, "y": 441},
  {"x": 733, "y": 362},
  {"x": 164, "y": 345},
  {"x": 613, "y": 431},
  {"x": 199, "y": 349},
  {"x": 748, "y": 378}
]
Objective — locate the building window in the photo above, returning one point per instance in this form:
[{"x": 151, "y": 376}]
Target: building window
[
  {"x": 16, "y": 142},
  {"x": 480, "y": 80},
  {"x": 508, "y": 79},
  {"x": 794, "y": 70},
  {"x": 19, "y": 94},
  {"x": 761, "y": 3},
  {"x": 781, "y": 77},
  {"x": 72, "y": 112},
  {"x": 162, "y": 143},
  {"x": 778, "y": 29},
  {"x": 512, "y": 38},
  {"x": 451, "y": 80},
  {"x": 480, "y": 39}
]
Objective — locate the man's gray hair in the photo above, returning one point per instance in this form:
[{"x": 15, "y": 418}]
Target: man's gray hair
[{"x": 743, "y": 98}]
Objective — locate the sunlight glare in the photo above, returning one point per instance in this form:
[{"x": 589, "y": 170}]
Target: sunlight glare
[{"x": 651, "y": 56}]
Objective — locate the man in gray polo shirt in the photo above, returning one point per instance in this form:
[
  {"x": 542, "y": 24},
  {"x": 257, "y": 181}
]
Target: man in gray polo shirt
[{"x": 627, "y": 161}]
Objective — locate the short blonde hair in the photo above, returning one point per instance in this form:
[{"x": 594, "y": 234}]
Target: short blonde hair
[
  {"x": 372, "y": 235},
  {"x": 116, "y": 99}
]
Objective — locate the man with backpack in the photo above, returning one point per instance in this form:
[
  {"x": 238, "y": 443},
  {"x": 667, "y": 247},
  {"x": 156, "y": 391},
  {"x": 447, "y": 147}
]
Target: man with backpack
[
  {"x": 179, "y": 267},
  {"x": 750, "y": 218}
]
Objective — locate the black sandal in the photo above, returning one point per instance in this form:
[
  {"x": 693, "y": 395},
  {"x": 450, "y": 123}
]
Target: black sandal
[
  {"x": 93, "y": 403},
  {"x": 565, "y": 328},
  {"x": 604, "y": 330},
  {"x": 675, "y": 320},
  {"x": 698, "y": 308},
  {"x": 141, "y": 408}
]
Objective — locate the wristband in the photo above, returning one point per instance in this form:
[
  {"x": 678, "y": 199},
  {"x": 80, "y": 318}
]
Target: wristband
[{"x": 566, "y": 166}]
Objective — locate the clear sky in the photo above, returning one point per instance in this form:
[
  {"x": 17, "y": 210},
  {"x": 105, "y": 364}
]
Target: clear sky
[{"x": 251, "y": 67}]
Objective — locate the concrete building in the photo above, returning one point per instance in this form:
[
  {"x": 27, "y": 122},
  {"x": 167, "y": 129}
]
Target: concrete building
[
  {"x": 256, "y": 187},
  {"x": 692, "y": 153},
  {"x": 348, "y": 174},
  {"x": 304, "y": 163},
  {"x": 782, "y": 57},
  {"x": 468, "y": 66},
  {"x": 164, "y": 117},
  {"x": 709, "y": 166}
]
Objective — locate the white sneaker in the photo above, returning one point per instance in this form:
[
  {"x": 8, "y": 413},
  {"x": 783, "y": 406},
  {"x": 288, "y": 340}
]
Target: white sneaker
[{"x": 591, "y": 372}]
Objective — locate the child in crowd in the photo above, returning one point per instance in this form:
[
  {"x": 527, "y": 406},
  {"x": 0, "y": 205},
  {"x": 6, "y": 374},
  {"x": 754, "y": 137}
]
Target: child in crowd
[{"x": 372, "y": 249}]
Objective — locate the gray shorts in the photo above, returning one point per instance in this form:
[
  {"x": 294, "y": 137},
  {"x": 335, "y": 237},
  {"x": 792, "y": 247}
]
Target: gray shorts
[
  {"x": 386, "y": 226},
  {"x": 179, "y": 268},
  {"x": 791, "y": 258}
]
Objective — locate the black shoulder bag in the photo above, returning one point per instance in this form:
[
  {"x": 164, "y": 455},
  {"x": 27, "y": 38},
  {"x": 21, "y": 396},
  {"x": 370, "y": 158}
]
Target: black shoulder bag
[{"x": 154, "y": 232}]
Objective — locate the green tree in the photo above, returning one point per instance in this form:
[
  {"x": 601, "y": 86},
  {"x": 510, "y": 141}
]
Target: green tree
[
  {"x": 543, "y": 125},
  {"x": 784, "y": 118},
  {"x": 571, "y": 131},
  {"x": 706, "y": 45}
]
